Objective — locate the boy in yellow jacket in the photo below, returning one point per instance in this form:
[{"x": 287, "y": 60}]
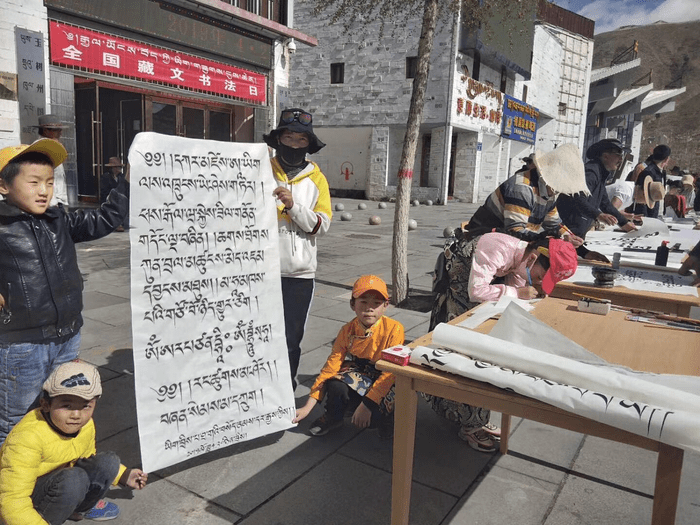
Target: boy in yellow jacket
[
  {"x": 349, "y": 375},
  {"x": 49, "y": 469}
]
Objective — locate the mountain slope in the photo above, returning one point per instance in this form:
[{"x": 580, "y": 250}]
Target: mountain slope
[{"x": 671, "y": 52}]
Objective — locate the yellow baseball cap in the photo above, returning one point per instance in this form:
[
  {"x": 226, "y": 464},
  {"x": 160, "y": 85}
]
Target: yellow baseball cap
[
  {"x": 368, "y": 283},
  {"x": 53, "y": 149}
]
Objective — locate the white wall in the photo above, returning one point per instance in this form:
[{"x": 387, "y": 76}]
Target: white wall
[{"x": 345, "y": 159}]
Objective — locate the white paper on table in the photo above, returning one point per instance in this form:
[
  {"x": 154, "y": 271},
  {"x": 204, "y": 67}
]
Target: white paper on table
[
  {"x": 641, "y": 279},
  {"x": 491, "y": 309},
  {"x": 630, "y": 400},
  {"x": 650, "y": 227},
  {"x": 210, "y": 358}
]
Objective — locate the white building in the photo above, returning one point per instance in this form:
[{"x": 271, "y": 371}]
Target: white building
[
  {"x": 618, "y": 101},
  {"x": 358, "y": 87}
]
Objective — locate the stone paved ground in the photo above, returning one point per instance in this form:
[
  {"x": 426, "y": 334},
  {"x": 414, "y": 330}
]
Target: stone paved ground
[{"x": 551, "y": 476}]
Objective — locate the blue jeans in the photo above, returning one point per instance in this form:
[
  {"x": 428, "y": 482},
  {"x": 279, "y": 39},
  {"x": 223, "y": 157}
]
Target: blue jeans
[
  {"x": 296, "y": 298},
  {"x": 64, "y": 491},
  {"x": 23, "y": 369}
]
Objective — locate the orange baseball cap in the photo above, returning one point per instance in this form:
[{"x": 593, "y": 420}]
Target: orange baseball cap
[
  {"x": 53, "y": 149},
  {"x": 368, "y": 283}
]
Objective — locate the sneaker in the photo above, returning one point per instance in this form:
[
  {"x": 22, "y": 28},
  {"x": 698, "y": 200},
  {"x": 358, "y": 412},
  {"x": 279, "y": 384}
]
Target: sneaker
[
  {"x": 478, "y": 439},
  {"x": 323, "y": 425},
  {"x": 102, "y": 511},
  {"x": 492, "y": 430}
]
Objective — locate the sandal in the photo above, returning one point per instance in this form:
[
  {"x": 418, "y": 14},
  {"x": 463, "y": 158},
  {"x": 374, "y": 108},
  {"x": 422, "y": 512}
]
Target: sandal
[
  {"x": 478, "y": 439},
  {"x": 492, "y": 430}
]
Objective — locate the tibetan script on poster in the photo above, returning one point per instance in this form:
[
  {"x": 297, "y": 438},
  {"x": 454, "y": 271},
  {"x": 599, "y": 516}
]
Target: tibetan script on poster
[{"x": 210, "y": 356}]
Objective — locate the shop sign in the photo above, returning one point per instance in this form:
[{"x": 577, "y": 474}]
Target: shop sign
[
  {"x": 100, "y": 52},
  {"x": 478, "y": 106},
  {"x": 519, "y": 120},
  {"x": 31, "y": 90}
]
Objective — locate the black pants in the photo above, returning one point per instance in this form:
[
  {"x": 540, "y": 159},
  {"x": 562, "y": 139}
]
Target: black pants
[
  {"x": 296, "y": 298},
  {"x": 340, "y": 397}
]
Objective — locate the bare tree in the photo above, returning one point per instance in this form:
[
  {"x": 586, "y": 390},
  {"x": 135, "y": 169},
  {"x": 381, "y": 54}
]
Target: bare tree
[{"x": 358, "y": 14}]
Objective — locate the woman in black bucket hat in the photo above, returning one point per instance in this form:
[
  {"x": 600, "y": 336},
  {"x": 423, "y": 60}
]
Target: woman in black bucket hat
[{"x": 303, "y": 214}]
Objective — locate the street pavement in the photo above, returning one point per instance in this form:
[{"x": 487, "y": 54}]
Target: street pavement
[{"x": 550, "y": 476}]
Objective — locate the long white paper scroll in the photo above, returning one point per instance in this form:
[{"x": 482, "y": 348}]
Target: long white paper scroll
[
  {"x": 641, "y": 279},
  {"x": 649, "y": 409},
  {"x": 210, "y": 356}
]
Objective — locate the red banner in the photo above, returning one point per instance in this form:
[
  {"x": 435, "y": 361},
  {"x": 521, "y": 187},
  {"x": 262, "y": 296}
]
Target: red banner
[{"x": 78, "y": 47}]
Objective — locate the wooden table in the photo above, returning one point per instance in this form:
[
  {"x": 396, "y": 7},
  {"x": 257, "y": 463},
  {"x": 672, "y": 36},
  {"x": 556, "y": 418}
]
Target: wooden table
[
  {"x": 611, "y": 337},
  {"x": 668, "y": 303}
]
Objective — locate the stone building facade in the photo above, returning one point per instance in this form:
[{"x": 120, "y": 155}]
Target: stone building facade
[{"x": 358, "y": 86}]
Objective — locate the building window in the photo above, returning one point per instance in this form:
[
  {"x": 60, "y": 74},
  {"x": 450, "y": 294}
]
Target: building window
[
  {"x": 411, "y": 67},
  {"x": 524, "y": 93},
  {"x": 504, "y": 79},
  {"x": 477, "y": 65},
  {"x": 338, "y": 73},
  {"x": 254, "y": 6}
]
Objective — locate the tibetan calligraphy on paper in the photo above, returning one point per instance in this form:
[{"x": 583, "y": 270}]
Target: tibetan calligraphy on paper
[{"x": 210, "y": 356}]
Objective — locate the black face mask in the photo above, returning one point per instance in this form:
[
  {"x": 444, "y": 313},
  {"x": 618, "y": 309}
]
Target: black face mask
[{"x": 292, "y": 156}]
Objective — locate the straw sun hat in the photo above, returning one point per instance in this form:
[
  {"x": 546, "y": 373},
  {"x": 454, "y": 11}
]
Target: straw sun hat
[{"x": 562, "y": 169}]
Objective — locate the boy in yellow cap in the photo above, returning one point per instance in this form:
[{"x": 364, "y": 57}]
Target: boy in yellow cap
[
  {"x": 49, "y": 468},
  {"x": 40, "y": 283},
  {"x": 349, "y": 376}
]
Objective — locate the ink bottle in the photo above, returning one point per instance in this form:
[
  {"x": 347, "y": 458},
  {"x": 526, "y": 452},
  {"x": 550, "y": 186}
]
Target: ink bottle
[{"x": 662, "y": 254}]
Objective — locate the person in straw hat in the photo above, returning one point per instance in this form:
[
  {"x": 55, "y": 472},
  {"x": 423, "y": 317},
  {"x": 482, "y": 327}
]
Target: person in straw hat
[
  {"x": 688, "y": 182},
  {"x": 112, "y": 179},
  {"x": 578, "y": 212},
  {"x": 50, "y": 127},
  {"x": 525, "y": 204},
  {"x": 655, "y": 166}
]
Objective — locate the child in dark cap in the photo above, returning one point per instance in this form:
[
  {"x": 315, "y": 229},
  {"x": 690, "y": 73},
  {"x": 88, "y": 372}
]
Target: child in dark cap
[
  {"x": 303, "y": 214},
  {"x": 49, "y": 468}
]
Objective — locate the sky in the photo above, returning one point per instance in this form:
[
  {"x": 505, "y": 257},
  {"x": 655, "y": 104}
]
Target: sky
[{"x": 611, "y": 14}]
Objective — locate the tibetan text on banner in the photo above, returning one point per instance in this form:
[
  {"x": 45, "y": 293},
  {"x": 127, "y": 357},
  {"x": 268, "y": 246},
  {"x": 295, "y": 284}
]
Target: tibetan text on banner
[{"x": 210, "y": 357}]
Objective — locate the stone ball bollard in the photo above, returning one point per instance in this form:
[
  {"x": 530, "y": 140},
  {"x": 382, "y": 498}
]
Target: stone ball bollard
[
  {"x": 346, "y": 216},
  {"x": 428, "y": 202},
  {"x": 382, "y": 206},
  {"x": 375, "y": 220},
  {"x": 412, "y": 224},
  {"x": 448, "y": 232},
  {"x": 339, "y": 207},
  {"x": 362, "y": 206},
  {"x": 416, "y": 202}
]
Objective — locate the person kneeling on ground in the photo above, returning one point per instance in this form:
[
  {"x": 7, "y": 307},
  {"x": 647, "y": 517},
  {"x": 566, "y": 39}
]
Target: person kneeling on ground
[
  {"x": 49, "y": 469},
  {"x": 349, "y": 377},
  {"x": 485, "y": 269}
]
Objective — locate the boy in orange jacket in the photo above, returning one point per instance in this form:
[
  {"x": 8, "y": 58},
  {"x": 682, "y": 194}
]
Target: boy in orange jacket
[{"x": 349, "y": 375}]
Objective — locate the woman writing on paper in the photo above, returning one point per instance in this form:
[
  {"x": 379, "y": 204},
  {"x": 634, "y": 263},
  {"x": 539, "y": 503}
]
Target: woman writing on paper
[{"x": 487, "y": 268}]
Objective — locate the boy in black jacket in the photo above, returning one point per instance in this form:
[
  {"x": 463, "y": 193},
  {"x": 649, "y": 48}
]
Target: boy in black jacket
[{"x": 40, "y": 283}]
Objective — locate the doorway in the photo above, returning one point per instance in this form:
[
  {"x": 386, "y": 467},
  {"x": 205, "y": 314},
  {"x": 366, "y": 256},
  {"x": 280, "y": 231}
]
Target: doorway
[{"x": 108, "y": 117}]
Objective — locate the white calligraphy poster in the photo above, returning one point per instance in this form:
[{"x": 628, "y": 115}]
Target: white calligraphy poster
[{"x": 210, "y": 356}]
